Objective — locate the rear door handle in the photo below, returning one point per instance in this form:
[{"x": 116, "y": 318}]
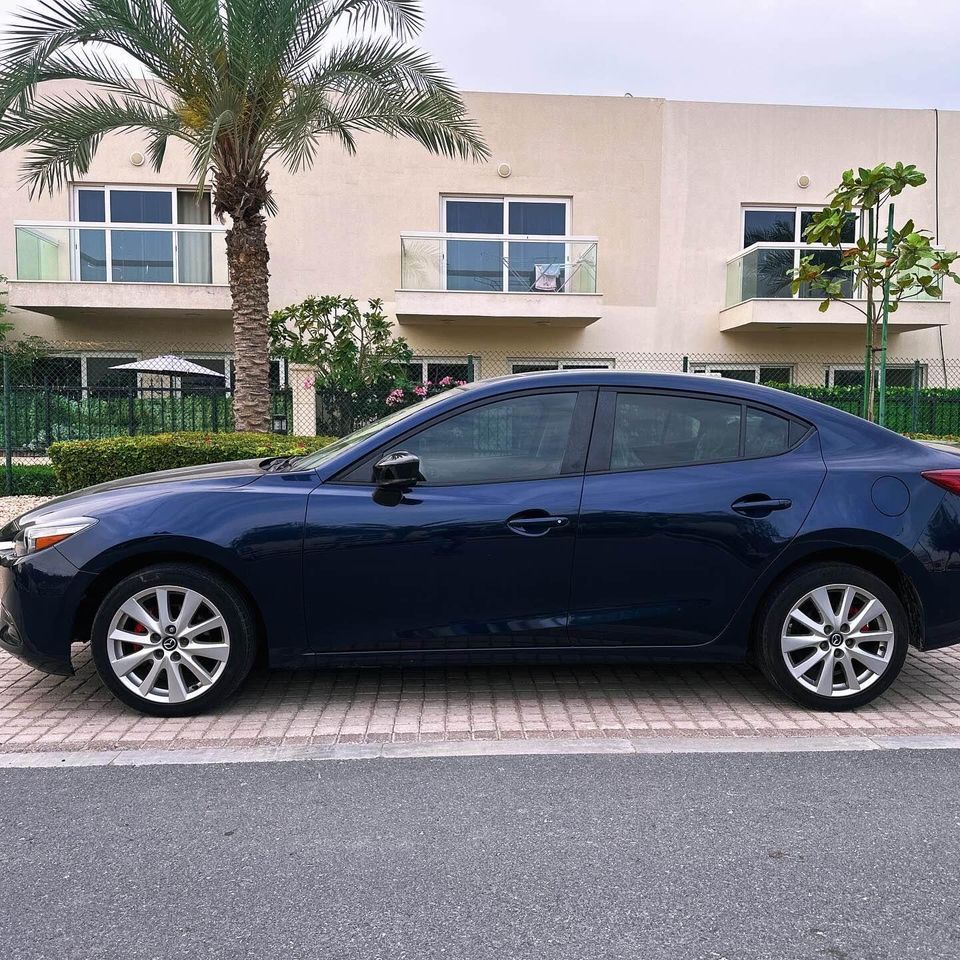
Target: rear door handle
[
  {"x": 535, "y": 523},
  {"x": 759, "y": 505}
]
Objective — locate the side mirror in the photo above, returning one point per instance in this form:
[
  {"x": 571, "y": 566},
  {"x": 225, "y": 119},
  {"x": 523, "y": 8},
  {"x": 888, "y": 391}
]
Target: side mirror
[{"x": 397, "y": 470}]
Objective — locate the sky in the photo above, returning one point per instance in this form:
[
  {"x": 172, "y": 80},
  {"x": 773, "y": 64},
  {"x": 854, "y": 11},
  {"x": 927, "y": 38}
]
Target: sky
[{"x": 894, "y": 53}]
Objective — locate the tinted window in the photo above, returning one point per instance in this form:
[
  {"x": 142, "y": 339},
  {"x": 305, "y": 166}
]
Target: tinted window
[
  {"x": 766, "y": 434},
  {"x": 652, "y": 430},
  {"x": 141, "y": 206},
  {"x": 537, "y": 219},
  {"x": 90, "y": 206},
  {"x": 474, "y": 216},
  {"x": 516, "y": 439},
  {"x": 768, "y": 226},
  {"x": 103, "y": 380}
]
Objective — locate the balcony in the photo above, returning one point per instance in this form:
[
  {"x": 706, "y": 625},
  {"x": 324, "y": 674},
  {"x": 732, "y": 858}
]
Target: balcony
[
  {"x": 498, "y": 280},
  {"x": 759, "y": 298},
  {"x": 77, "y": 270}
]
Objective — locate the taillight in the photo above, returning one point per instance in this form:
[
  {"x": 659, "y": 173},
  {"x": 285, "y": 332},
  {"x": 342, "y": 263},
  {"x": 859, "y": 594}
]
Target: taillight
[{"x": 948, "y": 479}]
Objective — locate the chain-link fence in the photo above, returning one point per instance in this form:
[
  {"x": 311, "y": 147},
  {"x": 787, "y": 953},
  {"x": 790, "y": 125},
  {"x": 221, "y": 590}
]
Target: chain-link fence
[{"x": 78, "y": 391}]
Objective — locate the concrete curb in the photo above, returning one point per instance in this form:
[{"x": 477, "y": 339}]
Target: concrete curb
[{"x": 486, "y": 748}]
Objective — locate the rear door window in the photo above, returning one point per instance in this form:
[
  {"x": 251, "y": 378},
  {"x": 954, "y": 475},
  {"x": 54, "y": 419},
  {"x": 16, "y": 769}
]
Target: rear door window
[{"x": 659, "y": 430}]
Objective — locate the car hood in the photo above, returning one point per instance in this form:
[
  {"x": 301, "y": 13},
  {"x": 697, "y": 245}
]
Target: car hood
[{"x": 237, "y": 472}]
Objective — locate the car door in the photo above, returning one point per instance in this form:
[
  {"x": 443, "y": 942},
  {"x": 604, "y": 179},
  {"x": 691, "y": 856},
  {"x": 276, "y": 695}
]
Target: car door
[
  {"x": 687, "y": 499},
  {"x": 478, "y": 554}
]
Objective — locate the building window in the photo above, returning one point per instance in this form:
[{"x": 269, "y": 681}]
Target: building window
[
  {"x": 538, "y": 366},
  {"x": 767, "y": 374},
  {"x": 118, "y": 252},
  {"x": 278, "y": 374},
  {"x": 435, "y": 369},
  {"x": 898, "y": 375},
  {"x": 777, "y": 233},
  {"x": 497, "y": 265}
]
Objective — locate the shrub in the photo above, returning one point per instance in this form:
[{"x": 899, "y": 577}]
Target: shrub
[
  {"x": 34, "y": 480},
  {"x": 81, "y": 463}
]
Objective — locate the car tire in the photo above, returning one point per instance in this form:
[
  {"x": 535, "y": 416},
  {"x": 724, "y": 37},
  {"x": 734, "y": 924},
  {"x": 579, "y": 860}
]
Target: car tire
[
  {"x": 199, "y": 639},
  {"x": 819, "y": 642}
]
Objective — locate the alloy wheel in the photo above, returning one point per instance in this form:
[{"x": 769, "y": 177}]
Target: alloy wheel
[
  {"x": 168, "y": 644},
  {"x": 837, "y": 640}
]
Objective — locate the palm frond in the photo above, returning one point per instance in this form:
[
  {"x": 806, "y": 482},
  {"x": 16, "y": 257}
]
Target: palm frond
[
  {"x": 63, "y": 133},
  {"x": 239, "y": 81}
]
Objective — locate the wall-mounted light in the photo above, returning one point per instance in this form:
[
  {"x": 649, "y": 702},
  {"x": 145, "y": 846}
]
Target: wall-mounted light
[
  {"x": 803, "y": 181},
  {"x": 137, "y": 158},
  {"x": 504, "y": 170}
]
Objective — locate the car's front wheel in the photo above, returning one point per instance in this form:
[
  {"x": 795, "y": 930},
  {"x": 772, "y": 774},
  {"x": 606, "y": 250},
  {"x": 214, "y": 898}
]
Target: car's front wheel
[
  {"x": 832, "y": 636},
  {"x": 173, "y": 639}
]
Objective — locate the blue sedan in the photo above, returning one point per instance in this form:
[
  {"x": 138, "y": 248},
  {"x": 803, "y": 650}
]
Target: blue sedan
[{"x": 583, "y": 515}]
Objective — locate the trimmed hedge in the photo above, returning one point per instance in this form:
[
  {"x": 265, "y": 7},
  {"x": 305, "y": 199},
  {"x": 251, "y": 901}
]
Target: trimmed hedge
[
  {"x": 82, "y": 463},
  {"x": 34, "y": 480}
]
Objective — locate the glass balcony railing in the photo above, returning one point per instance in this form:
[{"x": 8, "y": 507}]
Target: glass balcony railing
[
  {"x": 762, "y": 272},
  {"x": 498, "y": 264},
  {"x": 137, "y": 253}
]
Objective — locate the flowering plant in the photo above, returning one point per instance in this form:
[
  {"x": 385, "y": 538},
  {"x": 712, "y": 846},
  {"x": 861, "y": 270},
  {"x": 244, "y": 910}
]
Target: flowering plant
[{"x": 401, "y": 396}]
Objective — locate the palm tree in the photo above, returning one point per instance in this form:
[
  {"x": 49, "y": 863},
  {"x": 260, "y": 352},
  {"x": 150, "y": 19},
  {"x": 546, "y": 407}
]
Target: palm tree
[{"x": 242, "y": 83}]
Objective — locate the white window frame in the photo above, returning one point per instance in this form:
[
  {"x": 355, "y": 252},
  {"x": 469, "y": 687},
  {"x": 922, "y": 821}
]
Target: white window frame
[
  {"x": 108, "y": 225},
  {"x": 835, "y": 368},
  {"x": 505, "y": 236},
  {"x": 424, "y": 361},
  {"x": 85, "y": 355},
  {"x": 714, "y": 369},
  {"x": 797, "y": 210},
  {"x": 569, "y": 363}
]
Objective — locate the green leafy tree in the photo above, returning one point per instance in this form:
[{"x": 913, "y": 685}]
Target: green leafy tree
[
  {"x": 351, "y": 351},
  {"x": 884, "y": 267},
  {"x": 242, "y": 83}
]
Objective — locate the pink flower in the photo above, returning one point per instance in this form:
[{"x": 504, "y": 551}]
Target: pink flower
[
  {"x": 308, "y": 383},
  {"x": 461, "y": 383},
  {"x": 420, "y": 391},
  {"x": 394, "y": 397},
  {"x": 445, "y": 382}
]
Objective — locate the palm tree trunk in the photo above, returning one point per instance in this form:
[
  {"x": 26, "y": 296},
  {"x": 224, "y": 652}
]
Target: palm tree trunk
[{"x": 247, "y": 259}]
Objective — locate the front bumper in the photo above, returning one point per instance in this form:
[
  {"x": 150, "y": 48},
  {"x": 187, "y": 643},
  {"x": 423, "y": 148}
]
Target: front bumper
[{"x": 39, "y": 598}]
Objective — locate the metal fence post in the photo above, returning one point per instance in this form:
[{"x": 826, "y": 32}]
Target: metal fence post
[
  {"x": 686, "y": 364},
  {"x": 471, "y": 374},
  {"x": 915, "y": 396},
  {"x": 47, "y": 426},
  {"x": 132, "y": 409},
  {"x": 7, "y": 440}
]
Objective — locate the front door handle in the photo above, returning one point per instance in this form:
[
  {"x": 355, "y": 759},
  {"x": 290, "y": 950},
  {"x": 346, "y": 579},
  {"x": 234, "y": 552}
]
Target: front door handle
[
  {"x": 535, "y": 523},
  {"x": 759, "y": 505}
]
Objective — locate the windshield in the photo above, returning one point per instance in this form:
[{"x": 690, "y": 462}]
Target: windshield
[{"x": 345, "y": 443}]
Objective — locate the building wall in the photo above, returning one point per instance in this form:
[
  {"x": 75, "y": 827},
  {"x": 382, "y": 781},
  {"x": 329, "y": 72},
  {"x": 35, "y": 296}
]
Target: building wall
[{"x": 660, "y": 183}]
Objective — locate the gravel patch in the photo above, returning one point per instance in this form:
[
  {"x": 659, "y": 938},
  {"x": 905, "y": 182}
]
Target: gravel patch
[{"x": 11, "y": 507}]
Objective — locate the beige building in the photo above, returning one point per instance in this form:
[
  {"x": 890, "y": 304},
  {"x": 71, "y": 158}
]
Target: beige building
[{"x": 603, "y": 230}]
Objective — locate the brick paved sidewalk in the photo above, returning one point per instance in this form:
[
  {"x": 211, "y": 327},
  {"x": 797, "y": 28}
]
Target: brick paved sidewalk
[{"x": 40, "y": 712}]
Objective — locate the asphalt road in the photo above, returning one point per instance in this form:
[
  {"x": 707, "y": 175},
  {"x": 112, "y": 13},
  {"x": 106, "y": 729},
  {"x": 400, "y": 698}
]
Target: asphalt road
[{"x": 780, "y": 856}]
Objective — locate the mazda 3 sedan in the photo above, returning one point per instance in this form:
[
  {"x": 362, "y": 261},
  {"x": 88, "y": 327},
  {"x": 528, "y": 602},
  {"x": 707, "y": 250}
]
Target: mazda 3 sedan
[{"x": 585, "y": 515}]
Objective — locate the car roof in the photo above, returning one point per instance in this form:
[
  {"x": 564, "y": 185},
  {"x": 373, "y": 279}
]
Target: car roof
[
  {"x": 845, "y": 425},
  {"x": 691, "y": 382}
]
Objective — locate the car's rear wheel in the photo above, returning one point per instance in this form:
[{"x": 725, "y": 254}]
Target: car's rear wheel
[
  {"x": 832, "y": 636},
  {"x": 173, "y": 639}
]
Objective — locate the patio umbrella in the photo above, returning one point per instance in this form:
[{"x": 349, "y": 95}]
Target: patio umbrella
[{"x": 169, "y": 365}]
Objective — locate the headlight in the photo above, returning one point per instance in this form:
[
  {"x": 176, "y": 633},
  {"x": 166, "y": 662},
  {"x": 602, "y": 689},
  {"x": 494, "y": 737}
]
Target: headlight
[{"x": 45, "y": 533}]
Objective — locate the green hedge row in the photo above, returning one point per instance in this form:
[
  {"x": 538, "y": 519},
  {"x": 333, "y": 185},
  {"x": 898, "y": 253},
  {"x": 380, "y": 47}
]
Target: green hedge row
[
  {"x": 82, "y": 463},
  {"x": 34, "y": 480}
]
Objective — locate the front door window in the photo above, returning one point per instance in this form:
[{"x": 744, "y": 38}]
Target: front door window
[{"x": 520, "y": 438}]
